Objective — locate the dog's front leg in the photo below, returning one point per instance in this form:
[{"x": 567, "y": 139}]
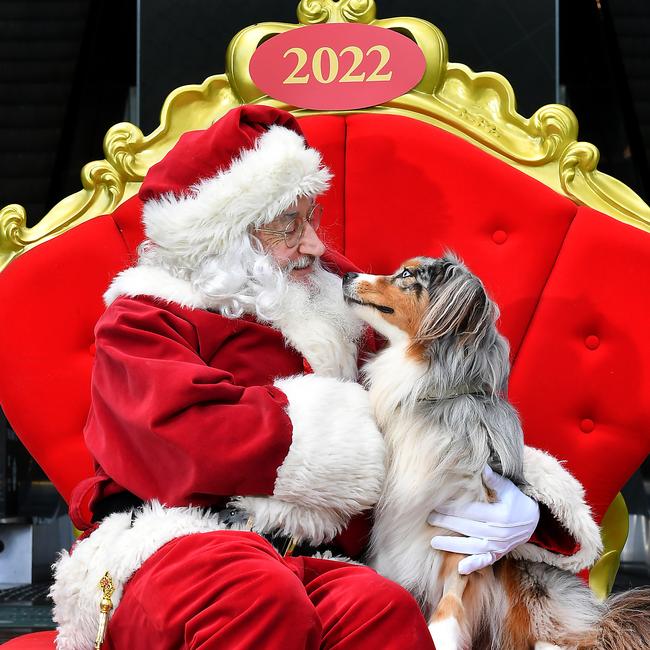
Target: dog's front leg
[{"x": 448, "y": 624}]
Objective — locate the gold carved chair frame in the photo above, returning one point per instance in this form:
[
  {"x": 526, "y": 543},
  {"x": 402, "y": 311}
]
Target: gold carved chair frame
[{"x": 479, "y": 107}]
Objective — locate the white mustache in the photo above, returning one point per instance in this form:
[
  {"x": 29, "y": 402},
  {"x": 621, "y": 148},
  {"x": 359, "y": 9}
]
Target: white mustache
[{"x": 301, "y": 263}]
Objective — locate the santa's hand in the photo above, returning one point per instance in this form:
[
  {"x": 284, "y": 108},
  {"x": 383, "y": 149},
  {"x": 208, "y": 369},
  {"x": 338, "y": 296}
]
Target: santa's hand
[{"x": 490, "y": 529}]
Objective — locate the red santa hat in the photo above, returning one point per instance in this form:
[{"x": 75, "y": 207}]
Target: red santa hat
[{"x": 215, "y": 184}]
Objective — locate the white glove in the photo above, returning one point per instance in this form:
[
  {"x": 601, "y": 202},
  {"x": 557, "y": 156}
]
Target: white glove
[{"x": 491, "y": 529}]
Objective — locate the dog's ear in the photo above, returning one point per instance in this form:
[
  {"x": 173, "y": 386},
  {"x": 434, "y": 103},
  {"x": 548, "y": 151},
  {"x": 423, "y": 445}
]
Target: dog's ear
[{"x": 459, "y": 307}]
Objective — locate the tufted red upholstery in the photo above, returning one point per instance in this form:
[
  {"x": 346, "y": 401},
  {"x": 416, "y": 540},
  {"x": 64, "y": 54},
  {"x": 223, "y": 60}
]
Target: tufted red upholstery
[
  {"x": 571, "y": 283},
  {"x": 54, "y": 295},
  {"x": 439, "y": 192},
  {"x": 582, "y": 377}
]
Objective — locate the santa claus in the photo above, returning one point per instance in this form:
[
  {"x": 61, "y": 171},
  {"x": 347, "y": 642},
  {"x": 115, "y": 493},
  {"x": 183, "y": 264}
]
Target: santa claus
[{"x": 226, "y": 424}]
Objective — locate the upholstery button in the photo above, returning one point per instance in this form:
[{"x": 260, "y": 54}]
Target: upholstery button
[
  {"x": 592, "y": 342},
  {"x": 499, "y": 236},
  {"x": 587, "y": 425}
]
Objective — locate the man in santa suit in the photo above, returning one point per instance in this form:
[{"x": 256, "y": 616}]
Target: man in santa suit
[{"x": 226, "y": 421}]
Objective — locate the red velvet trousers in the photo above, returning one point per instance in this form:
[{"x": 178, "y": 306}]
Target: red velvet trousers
[{"x": 232, "y": 590}]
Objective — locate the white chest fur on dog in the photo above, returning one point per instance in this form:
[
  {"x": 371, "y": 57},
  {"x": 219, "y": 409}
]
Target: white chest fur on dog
[
  {"x": 437, "y": 447},
  {"x": 426, "y": 467}
]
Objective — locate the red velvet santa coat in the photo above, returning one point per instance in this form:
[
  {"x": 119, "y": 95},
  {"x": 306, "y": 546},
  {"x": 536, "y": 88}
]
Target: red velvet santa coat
[
  {"x": 180, "y": 412},
  {"x": 184, "y": 406},
  {"x": 185, "y": 411}
]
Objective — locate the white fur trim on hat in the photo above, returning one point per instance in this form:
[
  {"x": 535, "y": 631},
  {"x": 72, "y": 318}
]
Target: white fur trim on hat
[
  {"x": 259, "y": 185},
  {"x": 335, "y": 466},
  {"x": 552, "y": 485},
  {"x": 120, "y": 545}
]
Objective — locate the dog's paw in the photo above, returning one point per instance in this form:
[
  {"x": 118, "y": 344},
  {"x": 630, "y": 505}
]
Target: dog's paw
[{"x": 446, "y": 635}]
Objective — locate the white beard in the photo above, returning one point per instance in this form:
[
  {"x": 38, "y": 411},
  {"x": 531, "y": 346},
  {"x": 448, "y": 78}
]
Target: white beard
[
  {"x": 311, "y": 314},
  {"x": 315, "y": 321}
]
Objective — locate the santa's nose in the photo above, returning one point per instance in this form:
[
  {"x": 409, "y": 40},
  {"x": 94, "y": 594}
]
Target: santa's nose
[{"x": 310, "y": 243}]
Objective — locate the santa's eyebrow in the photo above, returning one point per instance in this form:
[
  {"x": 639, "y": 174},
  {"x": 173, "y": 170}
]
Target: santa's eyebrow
[{"x": 283, "y": 219}]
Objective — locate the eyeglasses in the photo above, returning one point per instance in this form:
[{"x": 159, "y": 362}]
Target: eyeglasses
[{"x": 296, "y": 227}]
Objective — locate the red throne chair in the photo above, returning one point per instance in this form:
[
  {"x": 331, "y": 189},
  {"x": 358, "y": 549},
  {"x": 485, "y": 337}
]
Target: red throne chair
[{"x": 563, "y": 248}]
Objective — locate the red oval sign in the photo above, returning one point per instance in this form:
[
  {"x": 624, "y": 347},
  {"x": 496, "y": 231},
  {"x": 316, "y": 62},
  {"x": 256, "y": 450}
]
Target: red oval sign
[{"x": 337, "y": 66}]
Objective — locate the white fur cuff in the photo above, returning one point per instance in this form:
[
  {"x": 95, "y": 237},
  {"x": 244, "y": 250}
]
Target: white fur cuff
[
  {"x": 335, "y": 466},
  {"x": 564, "y": 496}
]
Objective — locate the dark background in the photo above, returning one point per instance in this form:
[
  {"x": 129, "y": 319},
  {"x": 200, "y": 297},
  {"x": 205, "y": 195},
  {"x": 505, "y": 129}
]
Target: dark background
[{"x": 183, "y": 43}]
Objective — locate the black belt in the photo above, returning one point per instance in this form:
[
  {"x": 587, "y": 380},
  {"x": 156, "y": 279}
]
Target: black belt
[{"x": 125, "y": 501}]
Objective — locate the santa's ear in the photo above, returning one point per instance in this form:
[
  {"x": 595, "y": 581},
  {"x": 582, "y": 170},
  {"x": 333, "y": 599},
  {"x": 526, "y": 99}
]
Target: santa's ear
[{"x": 458, "y": 307}]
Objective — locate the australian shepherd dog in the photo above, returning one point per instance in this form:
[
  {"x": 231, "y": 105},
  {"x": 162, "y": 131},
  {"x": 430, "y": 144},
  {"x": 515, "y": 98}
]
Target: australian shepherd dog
[{"x": 438, "y": 390}]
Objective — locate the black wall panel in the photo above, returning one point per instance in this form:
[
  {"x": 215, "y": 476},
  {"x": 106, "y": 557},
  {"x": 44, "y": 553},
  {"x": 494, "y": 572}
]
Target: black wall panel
[{"x": 184, "y": 42}]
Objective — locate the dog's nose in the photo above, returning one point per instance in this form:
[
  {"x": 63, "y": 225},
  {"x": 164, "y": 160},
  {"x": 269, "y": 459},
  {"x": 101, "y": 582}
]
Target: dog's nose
[{"x": 348, "y": 277}]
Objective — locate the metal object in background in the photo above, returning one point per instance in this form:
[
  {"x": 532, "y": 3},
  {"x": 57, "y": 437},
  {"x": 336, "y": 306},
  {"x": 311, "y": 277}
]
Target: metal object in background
[
  {"x": 16, "y": 543},
  {"x": 637, "y": 548}
]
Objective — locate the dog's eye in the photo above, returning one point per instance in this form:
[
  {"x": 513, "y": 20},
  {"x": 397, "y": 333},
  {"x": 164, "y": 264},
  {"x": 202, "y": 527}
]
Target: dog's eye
[{"x": 405, "y": 274}]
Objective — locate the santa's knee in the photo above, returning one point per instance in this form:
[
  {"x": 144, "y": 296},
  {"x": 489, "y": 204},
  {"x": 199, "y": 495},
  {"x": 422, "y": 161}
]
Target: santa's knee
[
  {"x": 204, "y": 584},
  {"x": 383, "y": 595},
  {"x": 222, "y": 562},
  {"x": 252, "y": 585},
  {"x": 374, "y": 595},
  {"x": 358, "y": 606}
]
